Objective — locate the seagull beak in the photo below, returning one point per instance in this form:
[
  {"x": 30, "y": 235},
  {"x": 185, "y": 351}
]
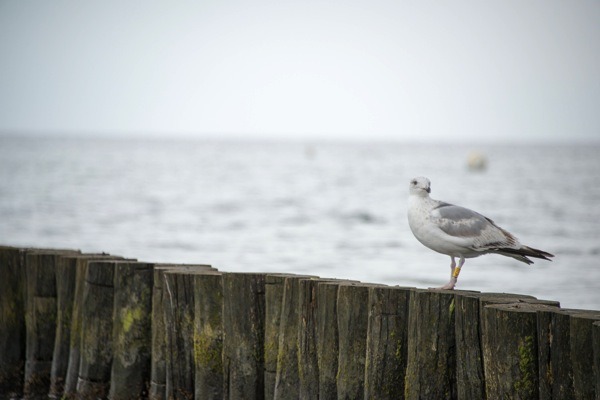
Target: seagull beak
[{"x": 428, "y": 189}]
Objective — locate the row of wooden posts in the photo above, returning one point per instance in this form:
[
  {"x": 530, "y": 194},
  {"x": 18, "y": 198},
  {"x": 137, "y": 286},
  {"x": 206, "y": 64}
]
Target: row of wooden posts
[{"x": 85, "y": 326}]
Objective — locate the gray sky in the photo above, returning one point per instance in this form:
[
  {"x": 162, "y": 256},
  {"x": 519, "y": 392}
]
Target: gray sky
[{"x": 400, "y": 70}]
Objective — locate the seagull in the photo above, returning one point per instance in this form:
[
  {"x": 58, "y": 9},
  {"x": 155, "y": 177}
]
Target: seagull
[{"x": 459, "y": 232}]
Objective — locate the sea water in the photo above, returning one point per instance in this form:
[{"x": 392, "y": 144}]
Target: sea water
[{"x": 328, "y": 209}]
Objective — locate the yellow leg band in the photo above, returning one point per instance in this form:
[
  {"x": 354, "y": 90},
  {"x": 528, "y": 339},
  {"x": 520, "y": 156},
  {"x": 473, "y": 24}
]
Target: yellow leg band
[{"x": 456, "y": 272}]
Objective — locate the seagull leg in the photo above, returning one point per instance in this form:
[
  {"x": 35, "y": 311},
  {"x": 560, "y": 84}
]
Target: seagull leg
[
  {"x": 452, "y": 282},
  {"x": 455, "y": 272}
]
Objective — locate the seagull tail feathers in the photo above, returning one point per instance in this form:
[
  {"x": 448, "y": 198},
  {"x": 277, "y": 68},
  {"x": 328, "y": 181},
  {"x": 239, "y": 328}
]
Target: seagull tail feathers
[{"x": 522, "y": 254}]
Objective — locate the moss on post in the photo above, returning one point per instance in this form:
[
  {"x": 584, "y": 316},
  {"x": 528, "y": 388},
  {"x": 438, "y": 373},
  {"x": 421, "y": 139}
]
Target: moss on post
[
  {"x": 96, "y": 330},
  {"x": 208, "y": 335},
  {"x": 510, "y": 350},
  {"x": 273, "y": 300},
  {"x": 130, "y": 372}
]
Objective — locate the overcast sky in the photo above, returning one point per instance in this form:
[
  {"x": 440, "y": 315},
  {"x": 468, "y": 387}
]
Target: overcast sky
[{"x": 400, "y": 70}]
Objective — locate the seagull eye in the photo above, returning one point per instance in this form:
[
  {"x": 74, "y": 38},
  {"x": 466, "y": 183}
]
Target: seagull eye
[{"x": 413, "y": 182}]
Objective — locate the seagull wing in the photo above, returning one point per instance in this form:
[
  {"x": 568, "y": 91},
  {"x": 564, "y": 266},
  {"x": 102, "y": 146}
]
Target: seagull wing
[{"x": 480, "y": 232}]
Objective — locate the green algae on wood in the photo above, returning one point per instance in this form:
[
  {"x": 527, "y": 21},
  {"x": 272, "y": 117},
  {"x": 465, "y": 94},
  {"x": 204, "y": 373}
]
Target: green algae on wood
[
  {"x": 273, "y": 299},
  {"x": 510, "y": 350},
  {"x": 96, "y": 330},
  {"x": 68, "y": 321},
  {"x": 132, "y": 340},
  {"x": 208, "y": 335}
]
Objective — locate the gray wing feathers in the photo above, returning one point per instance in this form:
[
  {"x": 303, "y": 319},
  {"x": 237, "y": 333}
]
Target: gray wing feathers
[{"x": 461, "y": 222}]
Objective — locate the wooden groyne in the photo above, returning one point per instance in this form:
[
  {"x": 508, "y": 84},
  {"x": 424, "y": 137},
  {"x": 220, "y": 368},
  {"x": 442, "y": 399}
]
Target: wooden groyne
[{"x": 86, "y": 326}]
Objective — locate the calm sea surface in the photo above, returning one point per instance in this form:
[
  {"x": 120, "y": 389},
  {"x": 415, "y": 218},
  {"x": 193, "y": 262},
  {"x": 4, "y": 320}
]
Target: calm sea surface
[{"x": 333, "y": 210}]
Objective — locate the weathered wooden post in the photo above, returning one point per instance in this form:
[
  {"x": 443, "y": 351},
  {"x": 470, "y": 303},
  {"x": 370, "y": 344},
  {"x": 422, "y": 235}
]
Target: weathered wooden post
[
  {"x": 40, "y": 320},
  {"x": 327, "y": 334},
  {"x": 510, "y": 350},
  {"x": 66, "y": 283},
  {"x": 178, "y": 309},
  {"x": 596, "y": 349},
  {"x": 158, "y": 368},
  {"x": 352, "y": 317},
  {"x": 273, "y": 299},
  {"x": 132, "y": 338},
  {"x": 287, "y": 380},
  {"x": 386, "y": 357},
  {"x": 554, "y": 354},
  {"x": 12, "y": 322},
  {"x": 308, "y": 363},
  {"x": 65, "y": 291},
  {"x": 243, "y": 335},
  {"x": 208, "y": 335},
  {"x": 431, "y": 365},
  {"x": 71, "y": 374},
  {"x": 582, "y": 354},
  {"x": 470, "y": 375},
  {"x": 160, "y": 352},
  {"x": 96, "y": 330}
]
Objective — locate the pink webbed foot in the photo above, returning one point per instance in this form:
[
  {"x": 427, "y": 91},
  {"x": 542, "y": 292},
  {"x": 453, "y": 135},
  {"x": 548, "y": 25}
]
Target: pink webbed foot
[{"x": 449, "y": 286}]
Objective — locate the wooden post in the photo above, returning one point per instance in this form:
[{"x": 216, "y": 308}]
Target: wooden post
[
  {"x": 208, "y": 335},
  {"x": 510, "y": 350},
  {"x": 71, "y": 374},
  {"x": 352, "y": 317},
  {"x": 386, "y": 342},
  {"x": 287, "y": 381},
  {"x": 158, "y": 368},
  {"x": 596, "y": 350},
  {"x": 328, "y": 338},
  {"x": 470, "y": 375},
  {"x": 65, "y": 290},
  {"x": 96, "y": 330},
  {"x": 132, "y": 340},
  {"x": 40, "y": 318},
  {"x": 308, "y": 363},
  {"x": 178, "y": 309},
  {"x": 554, "y": 354},
  {"x": 273, "y": 299},
  {"x": 310, "y": 344},
  {"x": 66, "y": 275},
  {"x": 243, "y": 335},
  {"x": 582, "y": 354},
  {"x": 158, "y": 374},
  {"x": 431, "y": 365},
  {"x": 12, "y": 322}
]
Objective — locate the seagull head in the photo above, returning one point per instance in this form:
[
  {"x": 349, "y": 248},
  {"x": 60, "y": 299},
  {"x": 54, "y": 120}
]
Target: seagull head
[{"x": 420, "y": 186}]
